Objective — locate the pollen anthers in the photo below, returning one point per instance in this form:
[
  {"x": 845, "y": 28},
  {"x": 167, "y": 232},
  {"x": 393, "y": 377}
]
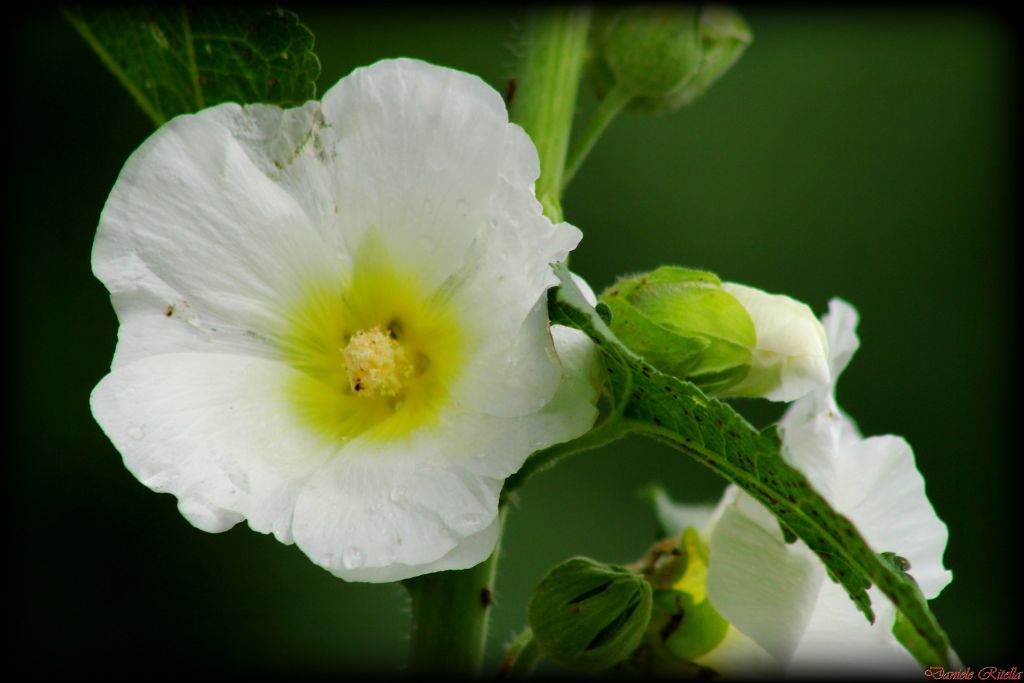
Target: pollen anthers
[
  {"x": 376, "y": 355},
  {"x": 378, "y": 364}
]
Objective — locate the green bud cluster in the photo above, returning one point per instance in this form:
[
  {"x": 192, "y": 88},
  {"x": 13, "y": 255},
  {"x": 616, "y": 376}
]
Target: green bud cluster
[
  {"x": 650, "y": 619},
  {"x": 665, "y": 56},
  {"x": 685, "y": 324}
]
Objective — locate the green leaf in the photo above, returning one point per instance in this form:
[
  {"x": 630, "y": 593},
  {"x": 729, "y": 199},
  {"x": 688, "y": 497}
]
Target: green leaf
[
  {"x": 921, "y": 648},
  {"x": 677, "y": 413},
  {"x": 176, "y": 60}
]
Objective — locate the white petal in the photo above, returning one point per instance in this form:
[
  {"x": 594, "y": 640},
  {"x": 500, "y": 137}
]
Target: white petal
[
  {"x": 758, "y": 583},
  {"x": 584, "y": 288},
  {"x": 839, "y": 640},
  {"x": 502, "y": 292},
  {"x": 427, "y": 157},
  {"x": 515, "y": 372},
  {"x": 214, "y": 430},
  {"x": 384, "y": 511},
  {"x": 737, "y": 656},
  {"x": 811, "y": 442},
  {"x": 198, "y": 246},
  {"x": 419, "y": 152},
  {"x": 791, "y": 356},
  {"x": 840, "y": 325},
  {"x": 879, "y": 487},
  {"x": 678, "y": 517}
]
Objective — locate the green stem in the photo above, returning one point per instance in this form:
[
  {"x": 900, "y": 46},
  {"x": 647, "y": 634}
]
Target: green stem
[
  {"x": 615, "y": 101},
  {"x": 450, "y": 613},
  {"x": 546, "y": 87}
]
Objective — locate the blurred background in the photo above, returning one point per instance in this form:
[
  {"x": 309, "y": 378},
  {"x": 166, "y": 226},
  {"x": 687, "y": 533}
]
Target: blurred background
[{"x": 861, "y": 153}]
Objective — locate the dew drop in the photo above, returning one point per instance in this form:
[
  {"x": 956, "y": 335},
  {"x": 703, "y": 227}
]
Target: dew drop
[
  {"x": 137, "y": 432},
  {"x": 467, "y": 523},
  {"x": 353, "y": 558},
  {"x": 397, "y": 494}
]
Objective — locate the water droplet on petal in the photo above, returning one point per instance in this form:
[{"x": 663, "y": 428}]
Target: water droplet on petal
[
  {"x": 136, "y": 432},
  {"x": 397, "y": 494},
  {"x": 467, "y": 523},
  {"x": 353, "y": 557}
]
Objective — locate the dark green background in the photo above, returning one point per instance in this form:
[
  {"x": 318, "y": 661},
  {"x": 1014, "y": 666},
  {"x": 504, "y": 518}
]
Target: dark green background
[{"x": 865, "y": 154}]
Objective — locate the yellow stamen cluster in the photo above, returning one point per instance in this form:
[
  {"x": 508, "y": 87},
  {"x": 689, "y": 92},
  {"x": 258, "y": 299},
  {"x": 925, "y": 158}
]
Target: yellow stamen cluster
[{"x": 378, "y": 365}]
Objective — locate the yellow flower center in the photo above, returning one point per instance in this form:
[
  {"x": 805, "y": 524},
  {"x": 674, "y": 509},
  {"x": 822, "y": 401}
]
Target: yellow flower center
[
  {"x": 378, "y": 365},
  {"x": 376, "y": 355}
]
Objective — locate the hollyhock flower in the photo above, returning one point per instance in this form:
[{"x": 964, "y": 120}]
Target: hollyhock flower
[
  {"x": 786, "y": 615},
  {"x": 333, "y": 319}
]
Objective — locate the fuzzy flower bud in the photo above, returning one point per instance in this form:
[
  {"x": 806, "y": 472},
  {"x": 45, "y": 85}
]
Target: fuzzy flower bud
[
  {"x": 589, "y": 616},
  {"x": 729, "y": 339},
  {"x": 665, "y": 56}
]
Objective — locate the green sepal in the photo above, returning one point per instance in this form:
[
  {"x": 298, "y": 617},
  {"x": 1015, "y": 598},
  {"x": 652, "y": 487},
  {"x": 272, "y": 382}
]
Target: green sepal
[
  {"x": 683, "y": 323},
  {"x": 589, "y": 616}
]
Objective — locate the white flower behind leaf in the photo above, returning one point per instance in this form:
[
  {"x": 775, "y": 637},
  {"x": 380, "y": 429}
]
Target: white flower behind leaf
[
  {"x": 790, "y": 358},
  {"x": 778, "y": 594},
  {"x": 333, "y": 319},
  {"x": 787, "y": 615}
]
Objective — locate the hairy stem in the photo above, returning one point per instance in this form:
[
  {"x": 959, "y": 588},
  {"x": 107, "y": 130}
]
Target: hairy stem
[
  {"x": 547, "y": 83},
  {"x": 450, "y": 614}
]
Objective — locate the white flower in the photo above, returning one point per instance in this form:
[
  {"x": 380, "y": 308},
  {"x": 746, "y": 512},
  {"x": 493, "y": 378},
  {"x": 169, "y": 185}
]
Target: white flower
[
  {"x": 790, "y": 358},
  {"x": 333, "y": 320},
  {"x": 786, "y": 614}
]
